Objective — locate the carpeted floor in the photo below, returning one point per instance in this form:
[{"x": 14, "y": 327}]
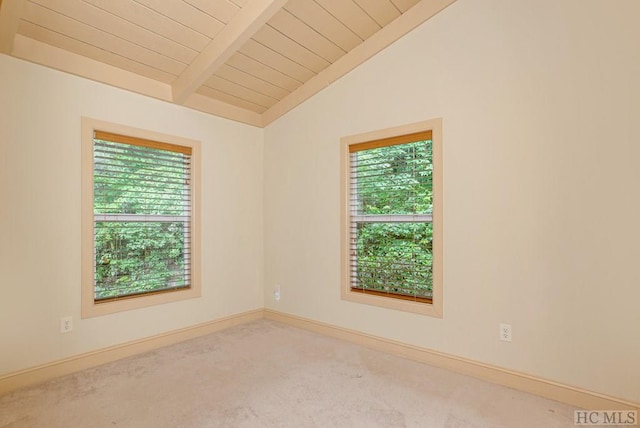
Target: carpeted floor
[{"x": 267, "y": 374}]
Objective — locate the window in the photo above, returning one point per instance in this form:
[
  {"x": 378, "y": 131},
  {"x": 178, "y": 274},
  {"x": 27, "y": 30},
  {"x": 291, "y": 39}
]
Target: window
[
  {"x": 392, "y": 218},
  {"x": 140, "y": 222}
]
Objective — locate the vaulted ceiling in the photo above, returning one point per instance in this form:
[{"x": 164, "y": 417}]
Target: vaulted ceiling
[{"x": 246, "y": 60}]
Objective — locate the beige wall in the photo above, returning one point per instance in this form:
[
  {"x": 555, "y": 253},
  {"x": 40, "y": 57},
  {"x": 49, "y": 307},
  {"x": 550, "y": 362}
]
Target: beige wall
[
  {"x": 40, "y": 117},
  {"x": 540, "y": 103}
]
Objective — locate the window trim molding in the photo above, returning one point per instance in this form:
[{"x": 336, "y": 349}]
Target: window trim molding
[
  {"x": 435, "y": 308},
  {"x": 89, "y": 308}
]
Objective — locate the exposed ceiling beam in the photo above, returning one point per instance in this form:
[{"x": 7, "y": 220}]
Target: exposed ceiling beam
[
  {"x": 60, "y": 59},
  {"x": 240, "y": 29},
  {"x": 219, "y": 108},
  {"x": 406, "y": 22},
  {"x": 10, "y": 12}
]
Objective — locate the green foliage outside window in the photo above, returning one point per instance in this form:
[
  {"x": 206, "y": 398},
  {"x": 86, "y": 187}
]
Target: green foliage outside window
[
  {"x": 144, "y": 253},
  {"x": 394, "y": 257}
]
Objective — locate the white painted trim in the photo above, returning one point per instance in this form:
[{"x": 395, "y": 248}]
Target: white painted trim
[
  {"x": 534, "y": 385},
  {"x": 402, "y": 25},
  {"x": 241, "y": 28},
  {"x": 42, "y": 373}
]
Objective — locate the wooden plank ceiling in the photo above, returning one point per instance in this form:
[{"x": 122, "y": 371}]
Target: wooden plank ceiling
[{"x": 248, "y": 60}]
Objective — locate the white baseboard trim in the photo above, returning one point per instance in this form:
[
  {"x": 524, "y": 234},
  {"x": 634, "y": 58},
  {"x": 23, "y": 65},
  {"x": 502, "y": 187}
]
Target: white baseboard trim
[
  {"x": 42, "y": 373},
  {"x": 545, "y": 388}
]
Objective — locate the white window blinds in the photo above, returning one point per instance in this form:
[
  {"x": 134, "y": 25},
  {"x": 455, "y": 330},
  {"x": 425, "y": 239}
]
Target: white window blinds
[
  {"x": 142, "y": 216},
  {"x": 390, "y": 213}
]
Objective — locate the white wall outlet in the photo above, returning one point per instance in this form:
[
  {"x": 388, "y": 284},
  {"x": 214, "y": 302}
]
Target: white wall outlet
[
  {"x": 66, "y": 324},
  {"x": 505, "y": 332},
  {"x": 276, "y": 292}
]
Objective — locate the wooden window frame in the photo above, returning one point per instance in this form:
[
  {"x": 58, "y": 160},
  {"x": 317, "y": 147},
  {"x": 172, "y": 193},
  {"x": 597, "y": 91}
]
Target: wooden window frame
[
  {"x": 89, "y": 307},
  {"x": 432, "y": 307}
]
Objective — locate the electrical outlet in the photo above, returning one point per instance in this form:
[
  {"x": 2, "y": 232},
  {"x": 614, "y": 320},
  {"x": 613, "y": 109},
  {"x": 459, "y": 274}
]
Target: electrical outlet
[
  {"x": 66, "y": 324},
  {"x": 276, "y": 292},
  {"x": 505, "y": 332}
]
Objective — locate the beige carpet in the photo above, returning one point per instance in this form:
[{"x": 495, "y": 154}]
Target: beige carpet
[{"x": 267, "y": 374}]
